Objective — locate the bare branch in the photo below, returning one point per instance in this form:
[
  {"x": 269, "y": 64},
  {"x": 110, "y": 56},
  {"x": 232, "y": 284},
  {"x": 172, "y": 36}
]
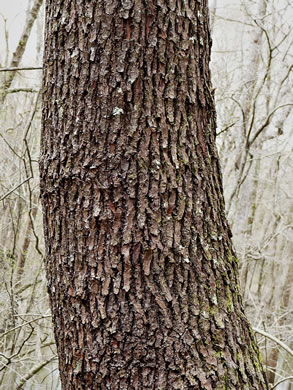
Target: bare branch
[
  {"x": 15, "y": 68},
  {"x": 34, "y": 371},
  {"x": 234, "y": 20},
  {"x": 19, "y": 51},
  {"x": 281, "y": 381},
  {"x": 25, "y": 90},
  {"x": 273, "y": 338},
  {"x": 268, "y": 67},
  {"x": 24, "y": 324},
  {"x": 266, "y": 123},
  {"x": 226, "y": 128},
  {"x": 15, "y": 188}
]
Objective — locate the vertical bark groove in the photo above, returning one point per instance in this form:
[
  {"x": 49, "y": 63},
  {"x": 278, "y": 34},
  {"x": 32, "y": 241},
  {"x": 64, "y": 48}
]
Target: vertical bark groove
[{"x": 142, "y": 275}]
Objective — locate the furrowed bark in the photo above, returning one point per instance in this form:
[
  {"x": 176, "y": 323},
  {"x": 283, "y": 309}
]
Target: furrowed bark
[{"x": 142, "y": 275}]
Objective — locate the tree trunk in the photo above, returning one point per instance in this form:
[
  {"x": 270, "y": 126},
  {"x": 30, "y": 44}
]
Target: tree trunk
[{"x": 142, "y": 276}]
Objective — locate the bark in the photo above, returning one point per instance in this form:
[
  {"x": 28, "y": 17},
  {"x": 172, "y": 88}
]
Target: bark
[{"x": 142, "y": 276}]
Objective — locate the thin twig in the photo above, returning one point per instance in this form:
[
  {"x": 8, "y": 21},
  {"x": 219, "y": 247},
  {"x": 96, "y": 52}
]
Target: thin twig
[
  {"x": 226, "y": 128},
  {"x": 281, "y": 381},
  {"x": 21, "y": 46},
  {"x": 34, "y": 371},
  {"x": 15, "y": 188},
  {"x": 273, "y": 338},
  {"x": 9, "y": 358},
  {"x": 16, "y": 68},
  {"x": 24, "y": 324},
  {"x": 266, "y": 123},
  {"x": 25, "y": 90}
]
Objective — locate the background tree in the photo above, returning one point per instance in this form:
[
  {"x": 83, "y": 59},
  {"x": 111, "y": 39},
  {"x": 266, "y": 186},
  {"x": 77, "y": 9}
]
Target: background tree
[
  {"x": 254, "y": 104},
  {"x": 27, "y": 347},
  {"x": 141, "y": 271}
]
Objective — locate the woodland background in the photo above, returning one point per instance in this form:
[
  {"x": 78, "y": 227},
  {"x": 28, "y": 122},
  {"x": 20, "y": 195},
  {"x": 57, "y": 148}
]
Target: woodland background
[{"x": 252, "y": 70}]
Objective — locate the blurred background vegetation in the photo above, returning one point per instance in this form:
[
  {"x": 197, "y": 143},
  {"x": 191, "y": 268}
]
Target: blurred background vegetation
[{"x": 252, "y": 75}]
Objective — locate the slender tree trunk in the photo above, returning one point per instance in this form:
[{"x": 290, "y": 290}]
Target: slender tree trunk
[
  {"x": 22, "y": 256},
  {"x": 142, "y": 276},
  {"x": 20, "y": 49},
  {"x": 274, "y": 355}
]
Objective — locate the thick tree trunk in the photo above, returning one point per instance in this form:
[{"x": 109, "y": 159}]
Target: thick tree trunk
[{"x": 141, "y": 271}]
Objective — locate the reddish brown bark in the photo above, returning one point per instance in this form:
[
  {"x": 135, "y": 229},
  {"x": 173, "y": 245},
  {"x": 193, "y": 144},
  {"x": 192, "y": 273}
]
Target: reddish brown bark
[{"x": 141, "y": 271}]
